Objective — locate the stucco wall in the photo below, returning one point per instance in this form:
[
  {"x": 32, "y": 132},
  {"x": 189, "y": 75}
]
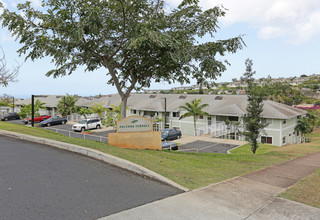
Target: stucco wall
[{"x": 137, "y": 140}]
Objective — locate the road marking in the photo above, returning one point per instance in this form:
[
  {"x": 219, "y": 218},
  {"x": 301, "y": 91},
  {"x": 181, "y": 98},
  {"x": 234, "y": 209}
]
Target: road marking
[{"x": 209, "y": 146}]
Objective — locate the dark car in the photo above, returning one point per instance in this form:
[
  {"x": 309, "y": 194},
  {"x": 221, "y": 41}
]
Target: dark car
[
  {"x": 10, "y": 116},
  {"x": 170, "y": 134},
  {"x": 37, "y": 119},
  {"x": 53, "y": 121},
  {"x": 169, "y": 146}
]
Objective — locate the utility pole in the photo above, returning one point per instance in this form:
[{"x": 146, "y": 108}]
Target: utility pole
[
  {"x": 32, "y": 110},
  {"x": 13, "y": 104},
  {"x": 165, "y": 112},
  {"x": 64, "y": 106}
]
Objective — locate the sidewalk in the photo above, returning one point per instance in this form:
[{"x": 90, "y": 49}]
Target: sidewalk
[{"x": 251, "y": 196}]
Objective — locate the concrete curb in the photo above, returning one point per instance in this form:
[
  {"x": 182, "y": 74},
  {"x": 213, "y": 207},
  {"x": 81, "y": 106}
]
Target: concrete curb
[{"x": 122, "y": 163}]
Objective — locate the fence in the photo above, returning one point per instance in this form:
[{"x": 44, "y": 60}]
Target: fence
[{"x": 78, "y": 135}]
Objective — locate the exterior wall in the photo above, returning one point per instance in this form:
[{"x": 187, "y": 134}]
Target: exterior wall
[
  {"x": 273, "y": 130},
  {"x": 280, "y": 128},
  {"x": 288, "y": 131},
  {"x": 186, "y": 125}
]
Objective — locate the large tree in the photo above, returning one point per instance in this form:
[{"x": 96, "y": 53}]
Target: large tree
[
  {"x": 136, "y": 41},
  {"x": 253, "y": 118}
]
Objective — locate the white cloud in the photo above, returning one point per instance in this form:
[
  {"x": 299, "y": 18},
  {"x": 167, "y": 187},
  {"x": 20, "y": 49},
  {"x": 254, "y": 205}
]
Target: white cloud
[{"x": 296, "y": 21}]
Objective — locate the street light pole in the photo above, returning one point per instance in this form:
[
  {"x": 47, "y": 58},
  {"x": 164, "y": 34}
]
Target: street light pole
[
  {"x": 32, "y": 110},
  {"x": 64, "y": 106}
]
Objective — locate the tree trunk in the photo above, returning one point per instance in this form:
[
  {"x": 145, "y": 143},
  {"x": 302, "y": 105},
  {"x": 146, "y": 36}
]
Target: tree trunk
[
  {"x": 124, "y": 95},
  {"x": 124, "y": 106}
]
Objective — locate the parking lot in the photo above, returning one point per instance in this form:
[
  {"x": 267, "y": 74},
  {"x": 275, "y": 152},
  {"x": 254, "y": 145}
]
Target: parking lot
[
  {"x": 66, "y": 129},
  {"x": 206, "y": 147}
]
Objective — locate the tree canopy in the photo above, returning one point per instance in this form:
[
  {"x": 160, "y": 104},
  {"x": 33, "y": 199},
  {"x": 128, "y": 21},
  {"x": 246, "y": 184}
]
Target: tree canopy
[
  {"x": 136, "y": 41},
  {"x": 253, "y": 118}
]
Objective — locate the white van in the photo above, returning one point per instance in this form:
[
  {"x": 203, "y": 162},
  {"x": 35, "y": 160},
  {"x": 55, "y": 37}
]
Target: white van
[{"x": 87, "y": 124}]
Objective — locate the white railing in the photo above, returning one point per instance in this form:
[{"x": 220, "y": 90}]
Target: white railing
[
  {"x": 78, "y": 135},
  {"x": 217, "y": 130}
]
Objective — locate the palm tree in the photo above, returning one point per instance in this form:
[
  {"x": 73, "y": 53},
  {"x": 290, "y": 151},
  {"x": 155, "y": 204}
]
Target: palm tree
[
  {"x": 67, "y": 105},
  {"x": 195, "y": 109}
]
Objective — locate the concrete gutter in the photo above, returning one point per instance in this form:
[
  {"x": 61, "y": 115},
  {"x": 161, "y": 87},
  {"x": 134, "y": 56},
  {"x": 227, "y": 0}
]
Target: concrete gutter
[{"x": 107, "y": 158}]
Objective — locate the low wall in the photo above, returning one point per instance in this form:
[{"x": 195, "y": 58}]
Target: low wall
[{"x": 136, "y": 140}]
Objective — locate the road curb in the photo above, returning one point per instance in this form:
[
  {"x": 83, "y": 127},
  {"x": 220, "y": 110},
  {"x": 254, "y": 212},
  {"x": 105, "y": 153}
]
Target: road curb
[{"x": 122, "y": 163}]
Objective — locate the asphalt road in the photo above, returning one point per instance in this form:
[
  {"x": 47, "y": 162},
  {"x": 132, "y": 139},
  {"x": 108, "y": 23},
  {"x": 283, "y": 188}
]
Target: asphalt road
[{"x": 41, "y": 182}]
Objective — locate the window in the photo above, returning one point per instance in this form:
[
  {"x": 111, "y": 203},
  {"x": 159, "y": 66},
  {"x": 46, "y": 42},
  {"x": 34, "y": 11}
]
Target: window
[
  {"x": 233, "y": 118},
  {"x": 200, "y": 116},
  {"x": 176, "y": 114},
  {"x": 284, "y": 140},
  {"x": 284, "y": 122},
  {"x": 266, "y": 140}
]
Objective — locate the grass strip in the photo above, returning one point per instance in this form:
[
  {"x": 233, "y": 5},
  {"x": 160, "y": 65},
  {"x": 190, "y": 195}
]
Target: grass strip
[
  {"x": 305, "y": 191},
  {"x": 191, "y": 170}
]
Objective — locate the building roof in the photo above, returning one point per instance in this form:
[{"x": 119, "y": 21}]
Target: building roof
[
  {"x": 227, "y": 105},
  {"x": 51, "y": 101},
  {"x": 224, "y": 105}
]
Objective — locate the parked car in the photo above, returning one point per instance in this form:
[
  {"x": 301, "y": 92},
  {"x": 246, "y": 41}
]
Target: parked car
[
  {"x": 53, "y": 121},
  {"x": 37, "y": 119},
  {"x": 170, "y": 134},
  {"x": 87, "y": 124},
  {"x": 10, "y": 116},
  {"x": 169, "y": 146}
]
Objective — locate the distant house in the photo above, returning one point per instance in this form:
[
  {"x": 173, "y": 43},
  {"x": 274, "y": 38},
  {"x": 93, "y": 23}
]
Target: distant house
[{"x": 50, "y": 106}]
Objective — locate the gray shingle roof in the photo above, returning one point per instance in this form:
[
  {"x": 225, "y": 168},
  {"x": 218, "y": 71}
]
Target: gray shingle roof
[{"x": 229, "y": 105}]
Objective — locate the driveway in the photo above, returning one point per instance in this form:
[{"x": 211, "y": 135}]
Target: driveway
[{"x": 41, "y": 182}]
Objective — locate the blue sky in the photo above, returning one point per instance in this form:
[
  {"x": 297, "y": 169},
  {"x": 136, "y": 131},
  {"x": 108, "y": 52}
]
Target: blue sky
[{"x": 282, "y": 38}]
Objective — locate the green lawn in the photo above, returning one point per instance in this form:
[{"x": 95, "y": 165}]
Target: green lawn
[
  {"x": 190, "y": 170},
  {"x": 305, "y": 191}
]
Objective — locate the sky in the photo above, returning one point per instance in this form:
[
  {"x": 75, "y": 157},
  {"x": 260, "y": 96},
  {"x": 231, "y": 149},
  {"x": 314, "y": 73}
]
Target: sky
[{"x": 281, "y": 37}]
